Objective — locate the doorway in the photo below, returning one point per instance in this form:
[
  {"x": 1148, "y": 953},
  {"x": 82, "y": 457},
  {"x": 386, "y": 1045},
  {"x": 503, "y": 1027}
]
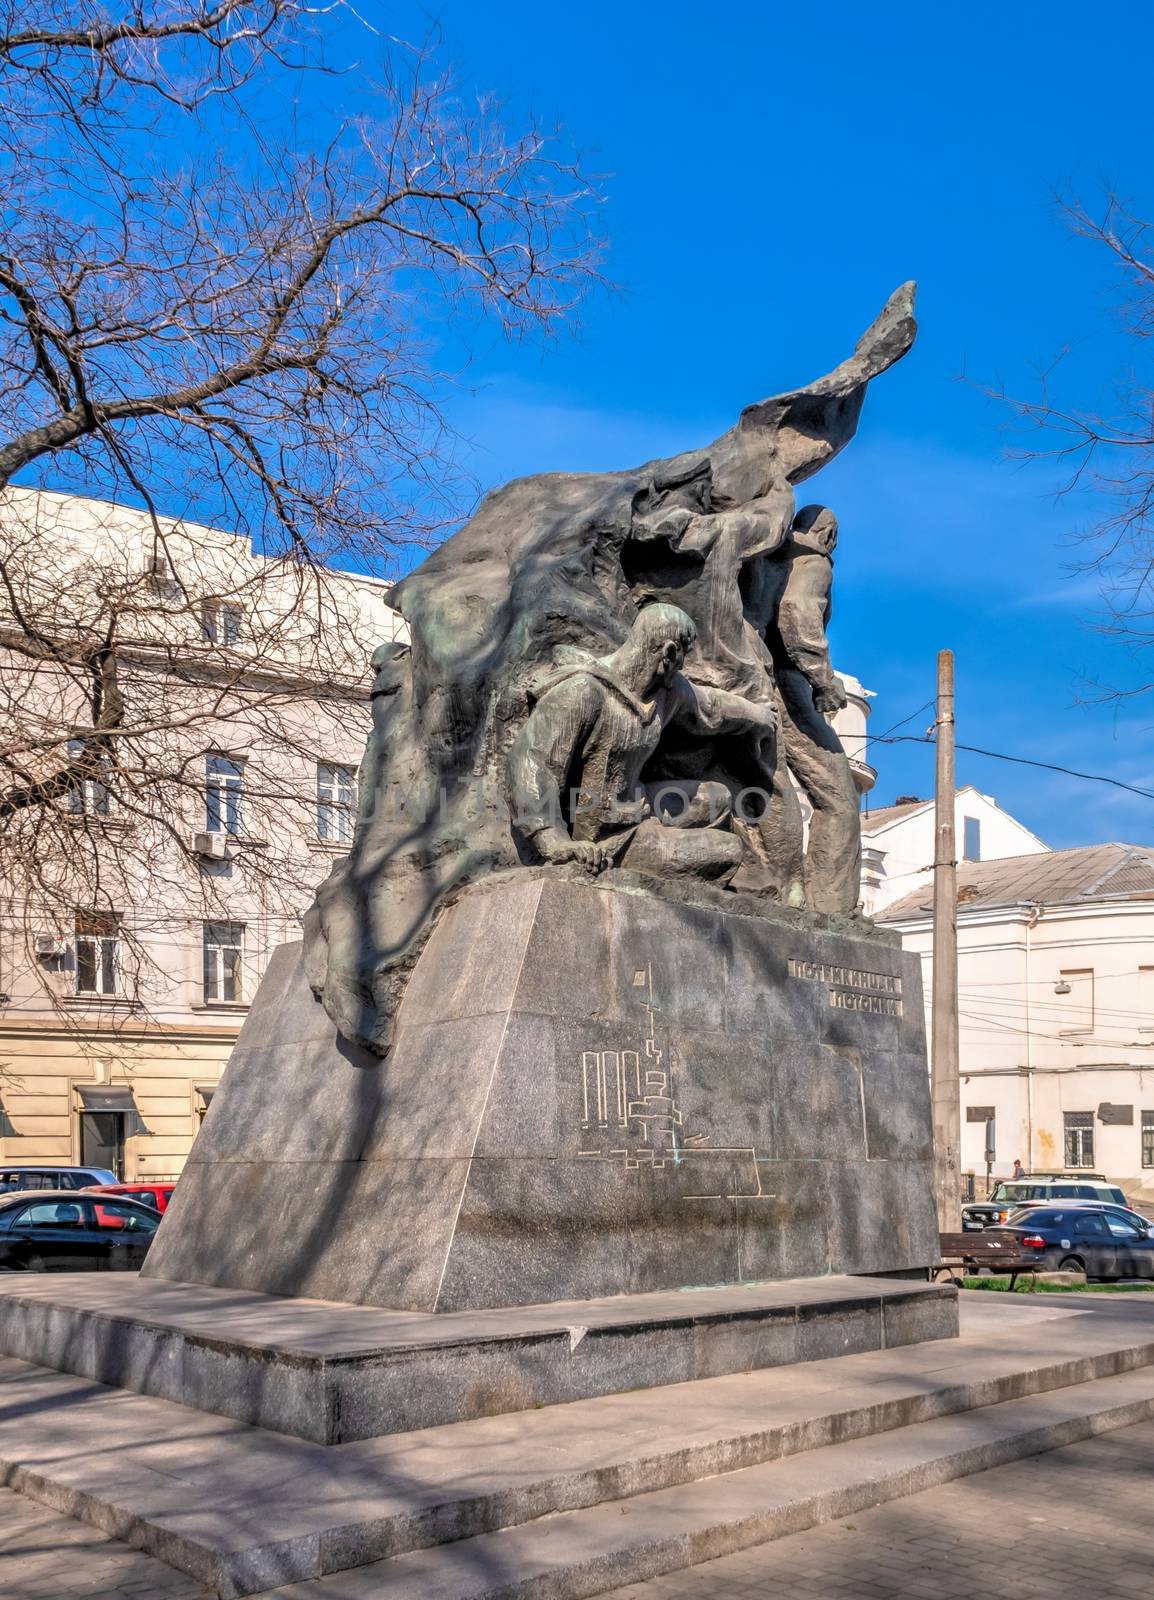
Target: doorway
[{"x": 102, "y": 1140}]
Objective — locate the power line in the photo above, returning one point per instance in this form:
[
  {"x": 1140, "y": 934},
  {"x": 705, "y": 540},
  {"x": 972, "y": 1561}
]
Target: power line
[
  {"x": 1023, "y": 761},
  {"x": 1012, "y": 983},
  {"x": 929, "y": 706},
  {"x": 1059, "y": 1038}
]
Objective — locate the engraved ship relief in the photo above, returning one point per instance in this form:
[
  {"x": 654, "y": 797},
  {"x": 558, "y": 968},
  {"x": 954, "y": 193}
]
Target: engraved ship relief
[{"x": 627, "y": 1098}]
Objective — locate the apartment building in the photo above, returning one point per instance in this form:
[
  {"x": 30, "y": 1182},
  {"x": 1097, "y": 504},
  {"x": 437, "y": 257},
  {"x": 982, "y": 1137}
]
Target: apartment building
[{"x": 119, "y": 1003}]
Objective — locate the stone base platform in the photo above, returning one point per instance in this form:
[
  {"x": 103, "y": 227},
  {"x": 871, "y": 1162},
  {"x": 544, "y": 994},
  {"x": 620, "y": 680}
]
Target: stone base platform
[
  {"x": 563, "y": 1502},
  {"x": 333, "y": 1373}
]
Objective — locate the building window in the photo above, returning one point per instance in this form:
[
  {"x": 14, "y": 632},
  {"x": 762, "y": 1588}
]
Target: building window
[
  {"x": 336, "y": 802},
  {"x": 972, "y": 838},
  {"x": 1146, "y": 999},
  {"x": 163, "y": 579},
  {"x": 93, "y": 797},
  {"x": 1079, "y": 1138},
  {"x": 223, "y": 959},
  {"x": 1148, "y": 1138},
  {"x": 220, "y": 623},
  {"x": 97, "y": 952},
  {"x": 1076, "y": 990},
  {"x": 224, "y": 779}
]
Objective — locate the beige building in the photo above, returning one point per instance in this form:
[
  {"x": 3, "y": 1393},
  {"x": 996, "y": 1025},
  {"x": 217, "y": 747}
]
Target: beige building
[
  {"x": 128, "y": 962},
  {"x": 1056, "y": 1002}
]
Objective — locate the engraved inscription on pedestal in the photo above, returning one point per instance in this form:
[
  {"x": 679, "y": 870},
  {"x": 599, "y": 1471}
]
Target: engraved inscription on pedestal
[{"x": 877, "y": 994}]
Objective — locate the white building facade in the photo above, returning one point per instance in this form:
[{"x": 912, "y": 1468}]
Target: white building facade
[
  {"x": 1056, "y": 1003},
  {"x": 898, "y": 843}
]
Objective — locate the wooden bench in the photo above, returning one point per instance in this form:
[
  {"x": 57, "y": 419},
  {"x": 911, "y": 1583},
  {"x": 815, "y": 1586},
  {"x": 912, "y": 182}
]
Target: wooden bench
[{"x": 970, "y": 1252}]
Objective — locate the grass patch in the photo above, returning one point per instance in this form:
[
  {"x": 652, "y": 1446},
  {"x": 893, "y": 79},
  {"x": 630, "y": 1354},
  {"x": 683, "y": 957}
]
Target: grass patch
[{"x": 1025, "y": 1286}]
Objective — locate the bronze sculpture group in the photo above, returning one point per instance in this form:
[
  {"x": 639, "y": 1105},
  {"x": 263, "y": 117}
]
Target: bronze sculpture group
[{"x": 612, "y": 672}]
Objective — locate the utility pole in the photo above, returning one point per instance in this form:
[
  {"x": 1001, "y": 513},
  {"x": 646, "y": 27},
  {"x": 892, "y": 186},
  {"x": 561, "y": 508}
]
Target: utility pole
[{"x": 944, "y": 1045}]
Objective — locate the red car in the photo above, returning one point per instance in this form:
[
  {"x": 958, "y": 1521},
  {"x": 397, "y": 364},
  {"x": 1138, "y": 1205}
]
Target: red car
[{"x": 156, "y": 1195}]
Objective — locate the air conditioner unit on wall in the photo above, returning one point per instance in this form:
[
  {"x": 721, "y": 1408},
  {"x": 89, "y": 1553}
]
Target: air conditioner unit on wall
[
  {"x": 51, "y": 944},
  {"x": 212, "y": 845}
]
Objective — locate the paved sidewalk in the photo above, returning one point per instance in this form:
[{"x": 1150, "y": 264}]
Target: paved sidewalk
[
  {"x": 45, "y": 1556},
  {"x": 1061, "y": 1526}
]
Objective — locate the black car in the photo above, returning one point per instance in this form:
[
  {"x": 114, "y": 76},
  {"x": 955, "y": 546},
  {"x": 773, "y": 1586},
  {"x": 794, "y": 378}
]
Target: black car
[
  {"x": 68, "y": 1232},
  {"x": 1100, "y": 1243}
]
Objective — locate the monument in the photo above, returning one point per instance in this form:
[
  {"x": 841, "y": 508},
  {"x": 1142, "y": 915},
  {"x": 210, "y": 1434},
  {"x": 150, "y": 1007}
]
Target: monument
[{"x": 586, "y": 1012}]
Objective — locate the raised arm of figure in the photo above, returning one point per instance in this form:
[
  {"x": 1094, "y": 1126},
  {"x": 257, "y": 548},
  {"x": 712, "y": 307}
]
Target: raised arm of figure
[{"x": 709, "y": 712}]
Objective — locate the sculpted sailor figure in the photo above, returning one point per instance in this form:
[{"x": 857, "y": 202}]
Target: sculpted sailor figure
[
  {"x": 789, "y": 598},
  {"x": 575, "y": 769}
]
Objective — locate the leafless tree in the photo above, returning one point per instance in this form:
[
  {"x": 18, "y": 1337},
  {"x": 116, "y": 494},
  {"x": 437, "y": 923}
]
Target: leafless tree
[
  {"x": 225, "y": 314},
  {"x": 1108, "y": 450}
]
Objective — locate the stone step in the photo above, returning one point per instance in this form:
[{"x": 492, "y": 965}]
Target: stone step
[
  {"x": 336, "y": 1373},
  {"x": 243, "y": 1509},
  {"x": 572, "y": 1555}
]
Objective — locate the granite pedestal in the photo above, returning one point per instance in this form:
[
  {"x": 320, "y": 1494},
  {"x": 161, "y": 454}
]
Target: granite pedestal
[{"x": 592, "y": 1091}]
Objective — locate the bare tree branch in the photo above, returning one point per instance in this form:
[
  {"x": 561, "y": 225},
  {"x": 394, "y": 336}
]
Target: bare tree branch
[
  {"x": 1108, "y": 452},
  {"x": 239, "y": 328}
]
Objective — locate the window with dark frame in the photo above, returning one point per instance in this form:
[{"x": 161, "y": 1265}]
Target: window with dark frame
[
  {"x": 223, "y": 794},
  {"x": 1079, "y": 1138},
  {"x": 1148, "y": 1138},
  {"x": 223, "y": 963},
  {"x": 336, "y": 802},
  {"x": 221, "y": 622},
  {"x": 97, "y": 952},
  {"x": 93, "y": 797},
  {"x": 165, "y": 583}
]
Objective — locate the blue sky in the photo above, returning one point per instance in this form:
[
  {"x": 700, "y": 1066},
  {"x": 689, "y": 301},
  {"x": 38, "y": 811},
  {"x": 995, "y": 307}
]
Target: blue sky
[{"x": 772, "y": 172}]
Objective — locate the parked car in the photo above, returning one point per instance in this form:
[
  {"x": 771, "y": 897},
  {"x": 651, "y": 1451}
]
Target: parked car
[
  {"x": 18, "y": 1176},
  {"x": 156, "y": 1195},
  {"x": 1088, "y": 1239},
  {"x": 1014, "y": 1192},
  {"x": 65, "y": 1231},
  {"x": 1127, "y": 1213}
]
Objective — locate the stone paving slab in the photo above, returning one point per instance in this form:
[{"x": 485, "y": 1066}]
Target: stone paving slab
[
  {"x": 1070, "y": 1524},
  {"x": 46, "y": 1556},
  {"x": 249, "y": 1508}
]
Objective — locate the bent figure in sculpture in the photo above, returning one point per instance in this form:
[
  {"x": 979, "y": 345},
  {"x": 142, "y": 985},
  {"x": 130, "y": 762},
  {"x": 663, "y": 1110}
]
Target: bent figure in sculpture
[{"x": 575, "y": 769}]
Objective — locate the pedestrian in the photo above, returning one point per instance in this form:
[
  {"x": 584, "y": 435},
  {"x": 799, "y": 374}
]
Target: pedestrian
[{"x": 1019, "y": 1169}]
